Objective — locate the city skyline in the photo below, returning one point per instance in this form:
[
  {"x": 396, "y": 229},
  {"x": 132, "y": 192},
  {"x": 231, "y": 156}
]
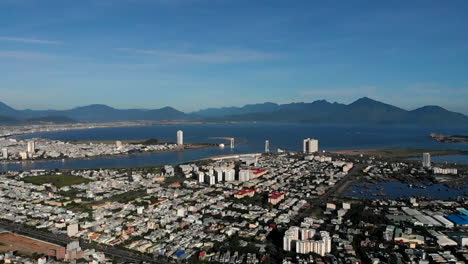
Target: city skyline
[{"x": 189, "y": 54}]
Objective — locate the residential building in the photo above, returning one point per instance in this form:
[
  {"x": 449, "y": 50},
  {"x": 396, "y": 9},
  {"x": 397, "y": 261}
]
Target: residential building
[{"x": 275, "y": 197}]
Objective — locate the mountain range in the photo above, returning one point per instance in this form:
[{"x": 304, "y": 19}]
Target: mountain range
[{"x": 362, "y": 111}]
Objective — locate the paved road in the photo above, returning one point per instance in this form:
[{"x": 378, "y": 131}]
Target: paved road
[
  {"x": 336, "y": 190},
  {"x": 125, "y": 255}
]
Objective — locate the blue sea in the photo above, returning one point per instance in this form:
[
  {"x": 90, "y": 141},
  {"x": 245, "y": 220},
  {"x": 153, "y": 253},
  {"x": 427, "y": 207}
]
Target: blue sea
[{"x": 249, "y": 137}]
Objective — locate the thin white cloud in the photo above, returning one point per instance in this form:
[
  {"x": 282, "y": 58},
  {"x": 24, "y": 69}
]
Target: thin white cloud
[
  {"x": 24, "y": 55},
  {"x": 30, "y": 40},
  {"x": 216, "y": 57}
]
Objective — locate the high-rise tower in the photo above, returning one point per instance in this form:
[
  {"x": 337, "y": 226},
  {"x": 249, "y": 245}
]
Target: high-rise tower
[{"x": 180, "y": 137}]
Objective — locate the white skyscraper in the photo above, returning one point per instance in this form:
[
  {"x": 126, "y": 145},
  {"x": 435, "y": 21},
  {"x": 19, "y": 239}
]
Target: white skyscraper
[
  {"x": 230, "y": 175},
  {"x": 180, "y": 137},
  {"x": 219, "y": 174},
  {"x": 310, "y": 145},
  {"x": 232, "y": 142},
  {"x": 201, "y": 177},
  {"x": 210, "y": 179},
  {"x": 426, "y": 160},
  {"x": 267, "y": 146},
  {"x": 4, "y": 153},
  {"x": 31, "y": 147}
]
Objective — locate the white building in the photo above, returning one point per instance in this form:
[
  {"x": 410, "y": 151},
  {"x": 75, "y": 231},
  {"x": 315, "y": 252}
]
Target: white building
[
  {"x": 306, "y": 241},
  {"x": 231, "y": 142},
  {"x": 31, "y": 147},
  {"x": 72, "y": 229},
  {"x": 245, "y": 175},
  {"x": 180, "y": 137},
  {"x": 290, "y": 237},
  {"x": 201, "y": 177},
  {"x": 5, "y": 153},
  {"x": 42, "y": 260},
  {"x": 310, "y": 145},
  {"x": 267, "y": 146},
  {"x": 23, "y": 155},
  {"x": 426, "y": 160},
  {"x": 169, "y": 170},
  {"x": 230, "y": 175},
  {"x": 210, "y": 179},
  {"x": 140, "y": 210},
  {"x": 119, "y": 144},
  {"x": 181, "y": 212},
  {"x": 437, "y": 170},
  {"x": 219, "y": 174}
]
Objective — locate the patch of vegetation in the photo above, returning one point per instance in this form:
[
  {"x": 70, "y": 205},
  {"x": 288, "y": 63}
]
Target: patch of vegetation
[
  {"x": 56, "y": 180},
  {"x": 72, "y": 193},
  {"x": 79, "y": 207},
  {"x": 151, "y": 141},
  {"x": 128, "y": 196},
  {"x": 258, "y": 199}
]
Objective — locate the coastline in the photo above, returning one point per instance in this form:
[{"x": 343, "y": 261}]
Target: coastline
[
  {"x": 194, "y": 147},
  {"x": 88, "y": 126}
]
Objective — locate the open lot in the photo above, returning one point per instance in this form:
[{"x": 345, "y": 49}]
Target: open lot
[{"x": 25, "y": 245}]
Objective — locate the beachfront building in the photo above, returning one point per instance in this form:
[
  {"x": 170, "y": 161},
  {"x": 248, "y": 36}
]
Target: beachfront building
[
  {"x": 426, "y": 160},
  {"x": 310, "y": 145},
  {"x": 180, "y": 137}
]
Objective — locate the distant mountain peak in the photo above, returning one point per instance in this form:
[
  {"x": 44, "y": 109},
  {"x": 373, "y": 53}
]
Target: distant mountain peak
[
  {"x": 96, "y": 106},
  {"x": 167, "y": 108},
  {"x": 366, "y": 100},
  {"x": 432, "y": 107},
  {"x": 321, "y": 102},
  {"x": 362, "y": 111},
  {"x": 4, "y": 107}
]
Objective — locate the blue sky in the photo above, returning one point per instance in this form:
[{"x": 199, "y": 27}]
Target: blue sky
[{"x": 193, "y": 54}]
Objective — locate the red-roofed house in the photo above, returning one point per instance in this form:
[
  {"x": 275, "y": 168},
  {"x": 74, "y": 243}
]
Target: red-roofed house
[
  {"x": 243, "y": 193},
  {"x": 275, "y": 197}
]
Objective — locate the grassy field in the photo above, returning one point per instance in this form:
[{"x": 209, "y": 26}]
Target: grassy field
[
  {"x": 128, "y": 196},
  {"x": 56, "y": 180}
]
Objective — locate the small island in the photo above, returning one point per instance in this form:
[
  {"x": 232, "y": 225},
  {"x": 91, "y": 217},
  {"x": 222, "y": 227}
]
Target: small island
[{"x": 449, "y": 139}]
